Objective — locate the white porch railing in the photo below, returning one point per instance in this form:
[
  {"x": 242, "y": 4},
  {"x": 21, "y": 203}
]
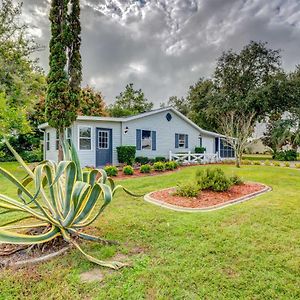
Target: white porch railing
[{"x": 194, "y": 158}]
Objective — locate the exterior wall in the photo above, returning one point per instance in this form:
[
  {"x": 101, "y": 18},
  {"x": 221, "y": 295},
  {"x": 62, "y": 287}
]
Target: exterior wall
[
  {"x": 88, "y": 157},
  {"x": 51, "y": 154},
  {"x": 165, "y": 134}
]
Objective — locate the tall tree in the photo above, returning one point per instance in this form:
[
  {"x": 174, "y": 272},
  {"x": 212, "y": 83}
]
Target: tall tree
[
  {"x": 179, "y": 103},
  {"x": 130, "y": 102},
  {"x": 64, "y": 77}
]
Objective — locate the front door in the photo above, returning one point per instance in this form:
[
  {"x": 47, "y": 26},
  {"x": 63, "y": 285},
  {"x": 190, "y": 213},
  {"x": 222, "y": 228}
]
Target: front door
[{"x": 103, "y": 146}]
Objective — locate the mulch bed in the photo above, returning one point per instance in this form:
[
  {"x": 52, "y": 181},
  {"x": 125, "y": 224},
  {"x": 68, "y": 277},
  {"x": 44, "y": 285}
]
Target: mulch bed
[{"x": 207, "y": 198}]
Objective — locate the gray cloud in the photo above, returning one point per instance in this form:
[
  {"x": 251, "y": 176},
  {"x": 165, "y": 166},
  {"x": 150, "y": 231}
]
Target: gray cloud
[{"x": 163, "y": 46}]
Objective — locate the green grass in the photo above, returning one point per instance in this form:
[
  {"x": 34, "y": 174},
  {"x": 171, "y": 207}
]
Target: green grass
[
  {"x": 246, "y": 251},
  {"x": 257, "y": 157}
]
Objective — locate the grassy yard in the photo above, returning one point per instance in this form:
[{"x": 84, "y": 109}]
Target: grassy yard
[
  {"x": 257, "y": 157},
  {"x": 246, "y": 251}
]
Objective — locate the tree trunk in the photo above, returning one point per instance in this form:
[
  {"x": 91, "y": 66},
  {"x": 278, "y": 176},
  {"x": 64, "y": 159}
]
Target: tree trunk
[
  {"x": 60, "y": 149},
  {"x": 238, "y": 160}
]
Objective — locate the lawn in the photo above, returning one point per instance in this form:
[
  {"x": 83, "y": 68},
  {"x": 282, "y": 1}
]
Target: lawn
[{"x": 246, "y": 251}]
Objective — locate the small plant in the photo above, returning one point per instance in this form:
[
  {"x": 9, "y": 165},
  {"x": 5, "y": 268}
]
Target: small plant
[
  {"x": 200, "y": 149},
  {"x": 287, "y": 164},
  {"x": 257, "y": 163},
  {"x": 171, "y": 165},
  {"x": 288, "y": 155},
  {"x": 190, "y": 189},
  {"x": 297, "y": 166},
  {"x": 213, "y": 179},
  {"x": 276, "y": 164},
  {"x": 126, "y": 154},
  {"x": 267, "y": 163},
  {"x": 160, "y": 159},
  {"x": 236, "y": 180},
  {"x": 111, "y": 170},
  {"x": 145, "y": 168},
  {"x": 128, "y": 170},
  {"x": 142, "y": 160},
  {"x": 159, "y": 166},
  {"x": 246, "y": 162}
]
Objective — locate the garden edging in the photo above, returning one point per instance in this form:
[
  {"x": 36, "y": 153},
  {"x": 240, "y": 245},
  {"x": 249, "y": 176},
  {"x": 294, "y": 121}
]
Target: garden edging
[{"x": 163, "y": 204}]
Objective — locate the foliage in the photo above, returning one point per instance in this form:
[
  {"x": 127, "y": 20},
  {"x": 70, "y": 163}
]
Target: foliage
[
  {"x": 213, "y": 179},
  {"x": 142, "y": 160},
  {"x": 297, "y": 166},
  {"x": 267, "y": 163},
  {"x": 236, "y": 180},
  {"x": 126, "y": 154},
  {"x": 91, "y": 103},
  {"x": 288, "y": 155},
  {"x": 64, "y": 201},
  {"x": 257, "y": 163},
  {"x": 200, "y": 149},
  {"x": 32, "y": 156},
  {"x": 145, "y": 168},
  {"x": 130, "y": 102},
  {"x": 111, "y": 170},
  {"x": 179, "y": 104},
  {"x": 246, "y": 162},
  {"x": 160, "y": 158},
  {"x": 159, "y": 166},
  {"x": 276, "y": 164},
  {"x": 171, "y": 165},
  {"x": 128, "y": 170},
  {"x": 188, "y": 189},
  {"x": 287, "y": 164}
]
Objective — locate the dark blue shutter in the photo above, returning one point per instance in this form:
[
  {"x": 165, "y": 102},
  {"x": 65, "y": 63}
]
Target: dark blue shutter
[
  {"x": 138, "y": 139},
  {"x": 153, "y": 140},
  {"x": 216, "y": 145},
  {"x": 176, "y": 140},
  {"x": 186, "y": 141}
]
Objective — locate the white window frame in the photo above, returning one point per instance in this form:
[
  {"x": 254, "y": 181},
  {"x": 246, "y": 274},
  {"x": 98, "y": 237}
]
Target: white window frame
[
  {"x": 108, "y": 139},
  {"x": 56, "y": 140},
  {"x": 48, "y": 138},
  {"x": 184, "y": 140},
  {"x": 69, "y": 130},
  {"x": 144, "y": 149},
  {"x": 91, "y": 138}
]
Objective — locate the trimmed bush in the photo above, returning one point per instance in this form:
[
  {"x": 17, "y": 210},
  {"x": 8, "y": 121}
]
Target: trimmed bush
[
  {"x": 267, "y": 163},
  {"x": 200, "y": 149},
  {"x": 145, "y": 168},
  {"x": 246, "y": 162},
  {"x": 126, "y": 154},
  {"x": 159, "y": 166},
  {"x": 160, "y": 159},
  {"x": 33, "y": 155},
  {"x": 128, "y": 170},
  {"x": 142, "y": 160},
  {"x": 190, "y": 190},
  {"x": 236, "y": 180},
  {"x": 213, "y": 179},
  {"x": 287, "y": 164},
  {"x": 171, "y": 165},
  {"x": 111, "y": 170},
  {"x": 286, "y": 155},
  {"x": 257, "y": 163},
  {"x": 276, "y": 164},
  {"x": 297, "y": 166}
]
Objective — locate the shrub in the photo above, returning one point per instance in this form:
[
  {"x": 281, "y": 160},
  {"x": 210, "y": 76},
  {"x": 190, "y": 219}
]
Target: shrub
[
  {"x": 213, "y": 179},
  {"x": 145, "y": 168},
  {"x": 160, "y": 159},
  {"x": 126, "y": 154},
  {"x": 159, "y": 166},
  {"x": 276, "y": 164},
  {"x": 128, "y": 170},
  {"x": 33, "y": 155},
  {"x": 297, "y": 166},
  {"x": 200, "y": 149},
  {"x": 190, "y": 189},
  {"x": 236, "y": 180},
  {"x": 267, "y": 163},
  {"x": 257, "y": 163},
  {"x": 288, "y": 155},
  {"x": 171, "y": 165},
  {"x": 287, "y": 164},
  {"x": 111, "y": 170},
  {"x": 142, "y": 160},
  {"x": 246, "y": 162}
]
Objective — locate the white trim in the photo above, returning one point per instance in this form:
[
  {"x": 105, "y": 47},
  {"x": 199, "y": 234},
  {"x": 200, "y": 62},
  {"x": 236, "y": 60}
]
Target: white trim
[
  {"x": 48, "y": 141},
  {"x": 91, "y": 138}
]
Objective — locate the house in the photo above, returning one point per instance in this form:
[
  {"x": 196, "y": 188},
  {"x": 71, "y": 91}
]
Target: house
[{"x": 154, "y": 133}]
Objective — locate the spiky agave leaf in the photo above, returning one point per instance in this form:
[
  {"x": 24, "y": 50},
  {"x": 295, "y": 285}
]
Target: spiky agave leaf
[{"x": 65, "y": 199}]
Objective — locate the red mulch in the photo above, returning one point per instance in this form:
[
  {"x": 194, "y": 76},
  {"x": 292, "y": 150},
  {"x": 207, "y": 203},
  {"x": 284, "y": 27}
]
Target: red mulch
[{"x": 207, "y": 198}]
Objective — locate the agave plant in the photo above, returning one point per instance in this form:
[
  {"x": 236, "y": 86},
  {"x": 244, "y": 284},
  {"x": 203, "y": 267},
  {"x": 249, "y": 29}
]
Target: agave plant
[{"x": 65, "y": 199}]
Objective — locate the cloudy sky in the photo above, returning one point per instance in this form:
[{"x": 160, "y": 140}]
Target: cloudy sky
[{"x": 164, "y": 46}]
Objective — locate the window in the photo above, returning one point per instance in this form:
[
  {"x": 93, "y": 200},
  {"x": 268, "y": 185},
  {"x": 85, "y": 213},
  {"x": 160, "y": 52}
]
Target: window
[
  {"x": 200, "y": 141},
  {"x": 146, "y": 140},
  {"x": 85, "y": 138},
  {"x": 69, "y": 134},
  {"x": 48, "y": 141},
  {"x": 226, "y": 150},
  {"x": 181, "y": 140},
  {"x": 57, "y": 140},
  {"x": 103, "y": 139}
]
